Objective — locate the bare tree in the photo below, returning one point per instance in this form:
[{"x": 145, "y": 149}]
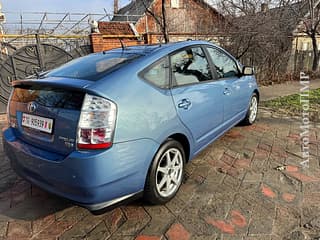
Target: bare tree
[
  {"x": 263, "y": 37},
  {"x": 273, "y": 30},
  {"x": 239, "y": 7},
  {"x": 311, "y": 27},
  {"x": 160, "y": 18}
]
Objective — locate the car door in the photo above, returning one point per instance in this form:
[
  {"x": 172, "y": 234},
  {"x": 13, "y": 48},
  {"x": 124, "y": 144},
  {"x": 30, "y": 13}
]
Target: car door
[
  {"x": 198, "y": 98},
  {"x": 235, "y": 91}
]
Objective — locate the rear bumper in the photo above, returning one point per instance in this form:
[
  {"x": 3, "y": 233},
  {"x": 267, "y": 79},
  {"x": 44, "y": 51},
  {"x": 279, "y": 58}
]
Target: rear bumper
[{"x": 94, "y": 179}]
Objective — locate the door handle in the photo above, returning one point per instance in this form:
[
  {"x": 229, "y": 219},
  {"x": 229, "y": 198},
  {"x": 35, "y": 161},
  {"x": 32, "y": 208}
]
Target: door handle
[
  {"x": 184, "y": 103},
  {"x": 226, "y": 91}
]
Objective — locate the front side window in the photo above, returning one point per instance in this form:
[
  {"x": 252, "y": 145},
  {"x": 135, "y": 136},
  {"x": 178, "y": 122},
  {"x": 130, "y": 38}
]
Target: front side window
[
  {"x": 190, "y": 66},
  {"x": 225, "y": 66},
  {"x": 157, "y": 74}
]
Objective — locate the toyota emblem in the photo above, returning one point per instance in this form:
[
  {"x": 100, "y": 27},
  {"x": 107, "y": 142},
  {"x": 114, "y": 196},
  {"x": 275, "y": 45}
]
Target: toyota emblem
[{"x": 32, "y": 107}]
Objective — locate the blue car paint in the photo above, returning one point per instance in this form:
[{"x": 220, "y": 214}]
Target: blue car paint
[
  {"x": 146, "y": 117},
  {"x": 87, "y": 177},
  {"x": 204, "y": 116}
]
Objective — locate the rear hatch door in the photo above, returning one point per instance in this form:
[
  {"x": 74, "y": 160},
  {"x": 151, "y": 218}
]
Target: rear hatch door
[{"x": 45, "y": 112}]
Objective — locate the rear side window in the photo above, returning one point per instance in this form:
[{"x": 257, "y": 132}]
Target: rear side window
[
  {"x": 225, "y": 66},
  {"x": 190, "y": 66},
  {"x": 157, "y": 73},
  {"x": 48, "y": 97},
  {"x": 94, "y": 66}
]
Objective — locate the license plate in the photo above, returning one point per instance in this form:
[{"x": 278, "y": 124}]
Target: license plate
[{"x": 39, "y": 123}]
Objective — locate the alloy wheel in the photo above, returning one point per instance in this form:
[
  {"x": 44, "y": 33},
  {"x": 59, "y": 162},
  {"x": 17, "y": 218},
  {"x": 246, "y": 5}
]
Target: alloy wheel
[
  {"x": 253, "y": 109},
  {"x": 169, "y": 172}
]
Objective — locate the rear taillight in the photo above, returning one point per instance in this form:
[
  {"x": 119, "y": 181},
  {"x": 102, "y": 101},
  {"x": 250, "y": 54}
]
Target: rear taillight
[{"x": 97, "y": 123}]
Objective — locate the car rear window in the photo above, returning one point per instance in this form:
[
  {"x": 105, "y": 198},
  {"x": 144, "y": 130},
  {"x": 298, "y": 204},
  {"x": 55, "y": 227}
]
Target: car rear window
[
  {"x": 48, "y": 97},
  {"x": 94, "y": 66}
]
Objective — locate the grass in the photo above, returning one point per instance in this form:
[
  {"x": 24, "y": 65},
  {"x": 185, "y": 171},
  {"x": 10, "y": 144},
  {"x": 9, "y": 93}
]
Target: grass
[{"x": 292, "y": 106}]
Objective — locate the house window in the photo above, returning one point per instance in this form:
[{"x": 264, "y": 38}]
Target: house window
[
  {"x": 176, "y": 3},
  {"x": 305, "y": 46}
]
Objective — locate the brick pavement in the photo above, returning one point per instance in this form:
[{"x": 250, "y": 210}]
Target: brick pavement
[{"x": 233, "y": 190}]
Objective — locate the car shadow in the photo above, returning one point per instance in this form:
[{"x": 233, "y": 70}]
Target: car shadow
[
  {"x": 19, "y": 200},
  {"x": 38, "y": 207},
  {"x": 35, "y": 207}
]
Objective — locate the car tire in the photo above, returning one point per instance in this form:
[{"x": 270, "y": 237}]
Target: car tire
[
  {"x": 166, "y": 173},
  {"x": 252, "y": 112}
]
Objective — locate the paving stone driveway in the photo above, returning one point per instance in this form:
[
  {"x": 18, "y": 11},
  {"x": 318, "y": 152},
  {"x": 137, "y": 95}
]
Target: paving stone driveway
[{"x": 233, "y": 190}]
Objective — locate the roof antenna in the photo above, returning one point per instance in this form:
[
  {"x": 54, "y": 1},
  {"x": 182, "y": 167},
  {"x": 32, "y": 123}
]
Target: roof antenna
[{"x": 124, "y": 47}]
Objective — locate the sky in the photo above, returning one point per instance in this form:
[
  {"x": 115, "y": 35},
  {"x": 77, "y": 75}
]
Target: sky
[
  {"x": 92, "y": 6},
  {"x": 14, "y": 8}
]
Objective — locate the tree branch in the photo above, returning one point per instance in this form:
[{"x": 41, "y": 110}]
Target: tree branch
[{"x": 152, "y": 14}]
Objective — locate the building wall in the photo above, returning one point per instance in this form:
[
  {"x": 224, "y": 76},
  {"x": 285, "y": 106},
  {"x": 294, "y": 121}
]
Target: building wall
[
  {"x": 192, "y": 16},
  {"x": 186, "y": 19},
  {"x": 301, "y": 57},
  {"x": 101, "y": 42}
]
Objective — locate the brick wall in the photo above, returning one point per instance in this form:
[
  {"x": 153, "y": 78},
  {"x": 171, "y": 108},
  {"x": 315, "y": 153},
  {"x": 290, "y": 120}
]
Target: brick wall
[
  {"x": 189, "y": 18},
  {"x": 100, "y": 42},
  {"x": 186, "y": 22}
]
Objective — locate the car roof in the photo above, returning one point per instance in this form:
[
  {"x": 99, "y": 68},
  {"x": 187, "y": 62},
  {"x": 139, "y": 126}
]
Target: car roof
[
  {"x": 151, "y": 53},
  {"x": 161, "y": 48}
]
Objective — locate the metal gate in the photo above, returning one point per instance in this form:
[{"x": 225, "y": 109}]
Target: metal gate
[{"x": 35, "y": 58}]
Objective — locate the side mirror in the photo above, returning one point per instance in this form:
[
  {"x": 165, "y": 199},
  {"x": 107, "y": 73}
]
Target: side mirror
[{"x": 247, "y": 70}]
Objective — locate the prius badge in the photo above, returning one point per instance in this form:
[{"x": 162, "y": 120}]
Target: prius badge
[{"x": 32, "y": 107}]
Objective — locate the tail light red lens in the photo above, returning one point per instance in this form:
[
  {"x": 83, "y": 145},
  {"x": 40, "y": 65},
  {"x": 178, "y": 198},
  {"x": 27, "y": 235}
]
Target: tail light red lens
[{"x": 97, "y": 123}]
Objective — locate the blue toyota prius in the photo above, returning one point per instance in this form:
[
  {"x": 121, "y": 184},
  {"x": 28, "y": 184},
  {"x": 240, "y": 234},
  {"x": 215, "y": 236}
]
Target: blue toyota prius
[{"x": 123, "y": 123}]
